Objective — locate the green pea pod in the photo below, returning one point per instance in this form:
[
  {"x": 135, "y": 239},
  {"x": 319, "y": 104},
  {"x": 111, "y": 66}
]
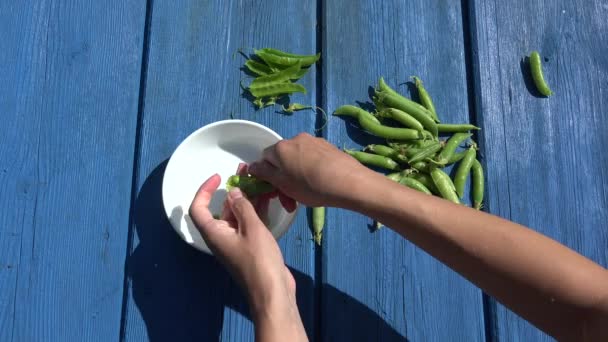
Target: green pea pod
[
  {"x": 258, "y": 68},
  {"x": 382, "y": 86},
  {"x": 414, "y": 109},
  {"x": 425, "y": 179},
  {"x": 456, "y": 157},
  {"x": 478, "y": 184},
  {"x": 277, "y": 89},
  {"x": 463, "y": 170},
  {"x": 318, "y": 221},
  {"x": 280, "y": 58},
  {"x": 456, "y": 128},
  {"x": 355, "y": 112},
  {"x": 374, "y": 160},
  {"x": 395, "y": 176},
  {"x": 250, "y": 185},
  {"x": 414, "y": 184},
  {"x": 444, "y": 185},
  {"x": 275, "y": 78},
  {"x": 425, "y": 98},
  {"x": 387, "y": 132},
  {"x": 450, "y": 147},
  {"x": 537, "y": 74},
  {"x": 403, "y": 118},
  {"x": 426, "y": 152},
  {"x": 423, "y": 167},
  {"x": 386, "y": 151}
]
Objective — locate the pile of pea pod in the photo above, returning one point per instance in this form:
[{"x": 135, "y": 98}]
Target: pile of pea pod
[
  {"x": 275, "y": 70},
  {"x": 414, "y": 151}
]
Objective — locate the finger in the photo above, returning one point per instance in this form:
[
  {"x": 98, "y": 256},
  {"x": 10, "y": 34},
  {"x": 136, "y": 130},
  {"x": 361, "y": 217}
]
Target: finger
[
  {"x": 241, "y": 170},
  {"x": 199, "y": 209},
  {"x": 264, "y": 170},
  {"x": 270, "y": 155},
  {"x": 287, "y": 202},
  {"x": 243, "y": 211}
]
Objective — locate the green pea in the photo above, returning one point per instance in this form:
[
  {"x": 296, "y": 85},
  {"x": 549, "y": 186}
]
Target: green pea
[
  {"x": 386, "y": 151},
  {"x": 382, "y": 86},
  {"x": 403, "y": 118},
  {"x": 250, "y": 185},
  {"x": 444, "y": 185},
  {"x": 537, "y": 74},
  {"x": 456, "y": 128},
  {"x": 281, "y": 58},
  {"x": 318, "y": 221},
  {"x": 450, "y": 147},
  {"x": 355, "y": 112},
  {"x": 463, "y": 170},
  {"x": 421, "y": 114},
  {"x": 374, "y": 160},
  {"x": 414, "y": 184},
  {"x": 387, "y": 132},
  {"x": 425, "y": 179},
  {"x": 425, "y": 152},
  {"x": 425, "y": 98},
  {"x": 478, "y": 184}
]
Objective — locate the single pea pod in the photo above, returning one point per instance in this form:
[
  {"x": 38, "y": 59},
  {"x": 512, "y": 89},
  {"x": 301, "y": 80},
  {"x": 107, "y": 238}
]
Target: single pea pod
[
  {"x": 258, "y": 68},
  {"x": 444, "y": 184},
  {"x": 478, "y": 184},
  {"x": 425, "y": 98},
  {"x": 403, "y": 118},
  {"x": 386, "y": 151},
  {"x": 277, "y": 90},
  {"x": 318, "y": 221},
  {"x": 282, "y": 58},
  {"x": 450, "y": 147},
  {"x": 425, "y": 179},
  {"x": 249, "y": 185},
  {"x": 463, "y": 170},
  {"x": 395, "y": 176},
  {"x": 355, "y": 112},
  {"x": 382, "y": 86},
  {"x": 374, "y": 160},
  {"x": 425, "y": 152},
  {"x": 537, "y": 74},
  {"x": 456, "y": 128},
  {"x": 456, "y": 157},
  {"x": 414, "y": 109},
  {"x": 387, "y": 132},
  {"x": 414, "y": 184},
  {"x": 423, "y": 167},
  {"x": 275, "y": 78}
]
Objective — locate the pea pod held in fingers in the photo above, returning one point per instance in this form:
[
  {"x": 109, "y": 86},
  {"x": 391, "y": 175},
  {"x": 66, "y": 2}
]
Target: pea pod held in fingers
[
  {"x": 318, "y": 221},
  {"x": 425, "y": 152},
  {"x": 403, "y": 118},
  {"x": 450, "y": 147},
  {"x": 414, "y": 184},
  {"x": 478, "y": 184},
  {"x": 386, "y": 151},
  {"x": 284, "y": 58},
  {"x": 456, "y": 128},
  {"x": 414, "y": 109},
  {"x": 444, "y": 185},
  {"x": 537, "y": 74},
  {"x": 374, "y": 160},
  {"x": 250, "y": 185},
  {"x": 425, "y": 98},
  {"x": 463, "y": 170}
]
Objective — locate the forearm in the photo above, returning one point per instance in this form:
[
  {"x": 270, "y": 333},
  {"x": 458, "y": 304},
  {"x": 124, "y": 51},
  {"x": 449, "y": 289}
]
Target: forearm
[
  {"x": 276, "y": 317},
  {"x": 543, "y": 281}
]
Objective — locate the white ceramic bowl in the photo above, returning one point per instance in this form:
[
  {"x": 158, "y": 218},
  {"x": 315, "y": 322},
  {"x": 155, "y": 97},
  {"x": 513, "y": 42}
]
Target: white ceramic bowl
[{"x": 216, "y": 148}]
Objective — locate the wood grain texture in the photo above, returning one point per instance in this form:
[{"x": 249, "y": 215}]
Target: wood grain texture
[
  {"x": 192, "y": 79},
  {"x": 399, "y": 291},
  {"x": 68, "y": 106},
  {"x": 545, "y": 163}
]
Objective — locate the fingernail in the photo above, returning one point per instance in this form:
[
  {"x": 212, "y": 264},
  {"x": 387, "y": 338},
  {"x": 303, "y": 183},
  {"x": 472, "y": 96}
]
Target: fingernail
[{"x": 235, "y": 194}]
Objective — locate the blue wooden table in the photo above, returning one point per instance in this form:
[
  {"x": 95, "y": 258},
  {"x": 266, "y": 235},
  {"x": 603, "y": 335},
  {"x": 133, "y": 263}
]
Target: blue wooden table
[{"x": 96, "y": 95}]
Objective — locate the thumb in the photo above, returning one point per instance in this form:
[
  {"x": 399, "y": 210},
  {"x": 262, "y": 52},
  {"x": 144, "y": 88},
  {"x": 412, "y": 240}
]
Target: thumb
[{"x": 243, "y": 210}]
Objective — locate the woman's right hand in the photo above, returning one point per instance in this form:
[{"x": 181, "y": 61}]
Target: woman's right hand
[{"x": 309, "y": 170}]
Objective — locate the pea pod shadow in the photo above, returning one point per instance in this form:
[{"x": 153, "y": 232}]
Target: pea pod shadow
[{"x": 175, "y": 292}]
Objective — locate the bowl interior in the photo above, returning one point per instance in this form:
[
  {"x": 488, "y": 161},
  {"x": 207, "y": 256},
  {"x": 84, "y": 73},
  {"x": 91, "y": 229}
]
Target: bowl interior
[{"x": 216, "y": 148}]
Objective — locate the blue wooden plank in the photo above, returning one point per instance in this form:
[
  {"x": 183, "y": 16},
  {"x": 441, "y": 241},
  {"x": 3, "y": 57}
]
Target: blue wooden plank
[
  {"x": 395, "y": 290},
  {"x": 192, "y": 79},
  {"x": 544, "y": 156},
  {"x": 68, "y": 106}
]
